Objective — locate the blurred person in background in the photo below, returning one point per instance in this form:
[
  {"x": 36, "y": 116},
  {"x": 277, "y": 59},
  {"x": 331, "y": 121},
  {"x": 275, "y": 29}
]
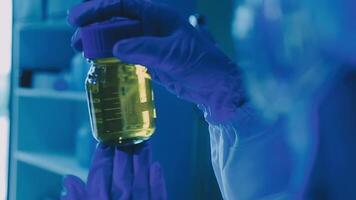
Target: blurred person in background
[{"x": 262, "y": 112}]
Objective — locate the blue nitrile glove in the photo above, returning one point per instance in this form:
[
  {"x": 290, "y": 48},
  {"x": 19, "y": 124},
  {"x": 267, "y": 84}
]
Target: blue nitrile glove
[
  {"x": 177, "y": 55},
  {"x": 119, "y": 174}
]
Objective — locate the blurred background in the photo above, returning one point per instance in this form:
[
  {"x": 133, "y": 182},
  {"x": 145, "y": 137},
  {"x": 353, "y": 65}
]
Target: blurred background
[{"x": 44, "y": 124}]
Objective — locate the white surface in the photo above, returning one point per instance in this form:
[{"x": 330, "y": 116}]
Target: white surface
[
  {"x": 6, "y": 35},
  {"x": 4, "y": 138},
  {"x": 56, "y": 163},
  {"x": 5, "y": 65}
]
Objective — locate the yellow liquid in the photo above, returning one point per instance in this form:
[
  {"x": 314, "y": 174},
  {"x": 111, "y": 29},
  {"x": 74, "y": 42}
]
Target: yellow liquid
[{"x": 120, "y": 101}]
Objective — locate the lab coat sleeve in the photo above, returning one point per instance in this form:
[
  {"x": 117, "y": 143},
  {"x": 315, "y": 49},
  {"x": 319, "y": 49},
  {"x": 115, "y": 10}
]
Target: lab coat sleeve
[{"x": 250, "y": 156}]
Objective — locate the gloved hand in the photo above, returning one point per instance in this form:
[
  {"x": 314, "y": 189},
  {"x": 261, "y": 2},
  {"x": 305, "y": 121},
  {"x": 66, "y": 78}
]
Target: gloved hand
[
  {"x": 119, "y": 174},
  {"x": 177, "y": 56}
]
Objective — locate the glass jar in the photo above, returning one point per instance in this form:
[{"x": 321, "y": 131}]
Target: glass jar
[{"x": 120, "y": 101}]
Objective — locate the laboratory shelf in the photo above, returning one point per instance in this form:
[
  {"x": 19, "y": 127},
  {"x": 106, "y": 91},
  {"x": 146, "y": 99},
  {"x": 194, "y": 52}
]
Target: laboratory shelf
[
  {"x": 60, "y": 164},
  {"x": 45, "y": 123},
  {"x": 51, "y": 94}
]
